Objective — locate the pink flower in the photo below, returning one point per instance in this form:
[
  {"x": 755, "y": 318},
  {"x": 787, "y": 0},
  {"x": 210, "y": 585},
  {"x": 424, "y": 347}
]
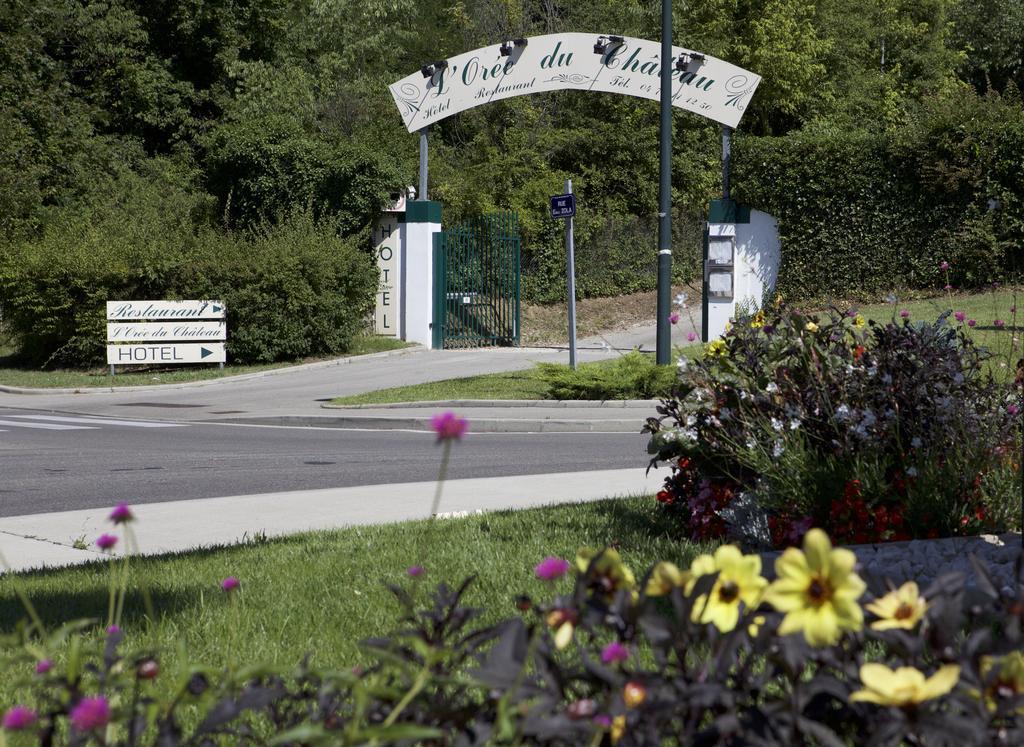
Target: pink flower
[
  {"x": 944, "y": 266},
  {"x": 673, "y": 318},
  {"x": 999, "y": 323},
  {"x": 971, "y": 323},
  {"x": 1013, "y": 309},
  {"x": 691, "y": 336},
  {"x": 415, "y": 571},
  {"x": 230, "y": 584},
  {"x": 448, "y": 426},
  {"x": 551, "y": 568},
  {"x": 113, "y": 630},
  {"x": 106, "y": 541},
  {"x": 1012, "y": 409},
  {"x": 44, "y": 666},
  {"x": 90, "y": 714},
  {"x": 947, "y": 287},
  {"x": 603, "y": 720},
  {"x": 19, "y": 717},
  {"x": 121, "y": 514},
  {"x": 614, "y": 652},
  {"x": 904, "y": 313},
  {"x": 959, "y": 316}
]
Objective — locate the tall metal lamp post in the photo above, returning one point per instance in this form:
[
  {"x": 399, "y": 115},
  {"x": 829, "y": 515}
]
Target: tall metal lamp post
[{"x": 664, "y": 346}]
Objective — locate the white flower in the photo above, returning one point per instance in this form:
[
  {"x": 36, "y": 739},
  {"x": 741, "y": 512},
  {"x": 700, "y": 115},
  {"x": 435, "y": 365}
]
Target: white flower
[
  {"x": 681, "y": 300},
  {"x": 777, "y": 449},
  {"x": 911, "y": 471},
  {"x": 751, "y": 443},
  {"x": 842, "y": 412},
  {"x": 690, "y": 434},
  {"x": 725, "y": 413},
  {"x": 868, "y": 419},
  {"x": 915, "y": 442},
  {"x": 958, "y": 379},
  {"x": 682, "y": 363},
  {"x": 794, "y": 424},
  {"x": 776, "y": 424},
  {"x": 772, "y": 387}
]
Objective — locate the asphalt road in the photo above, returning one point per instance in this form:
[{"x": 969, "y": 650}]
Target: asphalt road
[{"x": 52, "y": 462}]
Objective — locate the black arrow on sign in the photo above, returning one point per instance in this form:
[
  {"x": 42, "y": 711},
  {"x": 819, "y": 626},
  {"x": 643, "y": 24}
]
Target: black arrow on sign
[
  {"x": 203, "y": 352},
  {"x": 217, "y": 308}
]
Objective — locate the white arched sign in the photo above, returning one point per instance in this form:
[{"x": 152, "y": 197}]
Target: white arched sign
[{"x": 702, "y": 84}]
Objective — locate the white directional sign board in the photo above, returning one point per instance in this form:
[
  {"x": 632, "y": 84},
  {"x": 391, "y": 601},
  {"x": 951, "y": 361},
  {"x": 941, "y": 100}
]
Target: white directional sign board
[
  {"x": 137, "y": 311},
  {"x": 165, "y": 353},
  {"x": 702, "y": 84},
  {"x": 165, "y": 332}
]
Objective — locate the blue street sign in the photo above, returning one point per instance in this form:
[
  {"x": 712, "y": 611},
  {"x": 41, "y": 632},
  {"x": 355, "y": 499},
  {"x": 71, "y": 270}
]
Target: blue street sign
[{"x": 563, "y": 206}]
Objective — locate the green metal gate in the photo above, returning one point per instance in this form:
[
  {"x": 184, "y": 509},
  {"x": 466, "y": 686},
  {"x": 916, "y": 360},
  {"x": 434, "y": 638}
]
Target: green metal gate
[{"x": 476, "y": 283}]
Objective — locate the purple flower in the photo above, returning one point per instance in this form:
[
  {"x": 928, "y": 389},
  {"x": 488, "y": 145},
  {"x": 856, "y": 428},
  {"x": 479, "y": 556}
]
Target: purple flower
[
  {"x": 691, "y": 336},
  {"x": 904, "y": 313},
  {"x": 1012, "y": 409},
  {"x": 551, "y": 568},
  {"x": 113, "y": 630},
  {"x": 415, "y": 571},
  {"x": 106, "y": 541},
  {"x": 614, "y": 652},
  {"x": 944, "y": 266},
  {"x": 19, "y": 717},
  {"x": 959, "y": 316},
  {"x": 1013, "y": 309},
  {"x": 448, "y": 426},
  {"x": 673, "y": 318},
  {"x": 603, "y": 720},
  {"x": 230, "y": 584},
  {"x": 971, "y": 323},
  {"x": 999, "y": 323},
  {"x": 90, "y": 714},
  {"x": 44, "y": 666},
  {"x": 947, "y": 287},
  {"x": 121, "y": 514}
]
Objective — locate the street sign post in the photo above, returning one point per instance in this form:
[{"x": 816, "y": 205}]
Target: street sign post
[
  {"x": 165, "y": 332},
  {"x": 564, "y": 207}
]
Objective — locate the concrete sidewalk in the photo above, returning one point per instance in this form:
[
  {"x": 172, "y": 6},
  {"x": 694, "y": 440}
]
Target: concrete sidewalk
[{"x": 67, "y": 537}]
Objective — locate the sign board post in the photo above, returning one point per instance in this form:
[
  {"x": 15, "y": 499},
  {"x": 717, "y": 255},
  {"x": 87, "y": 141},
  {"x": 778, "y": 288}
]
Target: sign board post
[
  {"x": 141, "y": 332},
  {"x": 564, "y": 206}
]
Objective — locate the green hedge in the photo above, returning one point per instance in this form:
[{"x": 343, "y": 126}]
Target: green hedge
[
  {"x": 867, "y": 212},
  {"x": 291, "y": 290}
]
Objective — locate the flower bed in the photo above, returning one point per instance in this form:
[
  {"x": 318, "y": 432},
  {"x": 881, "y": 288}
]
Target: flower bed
[{"x": 874, "y": 432}]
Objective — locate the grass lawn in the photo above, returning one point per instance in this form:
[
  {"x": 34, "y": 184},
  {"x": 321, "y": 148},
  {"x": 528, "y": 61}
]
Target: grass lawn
[
  {"x": 983, "y": 307},
  {"x": 100, "y": 377},
  {"x": 323, "y": 592}
]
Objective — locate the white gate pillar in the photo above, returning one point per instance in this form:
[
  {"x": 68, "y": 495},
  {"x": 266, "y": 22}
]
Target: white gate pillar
[{"x": 422, "y": 221}]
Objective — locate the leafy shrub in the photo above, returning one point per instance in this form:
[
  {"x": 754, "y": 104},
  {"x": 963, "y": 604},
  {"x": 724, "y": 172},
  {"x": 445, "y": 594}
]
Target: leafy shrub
[
  {"x": 872, "y": 431},
  {"x": 292, "y": 290},
  {"x": 862, "y": 211},
  {"x": 713, "y": 654},
  {"x": 631, "y": 376}
]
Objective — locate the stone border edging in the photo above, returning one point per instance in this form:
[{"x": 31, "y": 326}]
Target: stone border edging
[
  {"x": 646, "y": 404},
  {"x": 417, "y": 423}
]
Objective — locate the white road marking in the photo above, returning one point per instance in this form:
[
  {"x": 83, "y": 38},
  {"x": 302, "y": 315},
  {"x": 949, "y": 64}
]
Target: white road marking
[
  {"x": 48, "y": 426},
  {"x": 101, "y": 421}
]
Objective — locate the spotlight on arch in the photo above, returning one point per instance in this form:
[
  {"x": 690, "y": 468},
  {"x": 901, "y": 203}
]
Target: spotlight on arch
[
  {"x": 433, "y": 68},
  {"x": 507, "y": 47},
  {"x": 604, "y": 43},
  {"x": 684, "y": 60}
]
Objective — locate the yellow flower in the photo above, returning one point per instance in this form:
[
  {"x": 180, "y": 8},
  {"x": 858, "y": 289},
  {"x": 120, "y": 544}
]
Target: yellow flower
[
  {"x": 904, "y": 686},
  {"x": 716, "y": 349},
  {"x": 1008, "y": 681},
  {"x": 758, "y": 320},
  {"x": 618, "y": 728},
  {"x": 739, "y": 580},
  {"x": 859, "y": 321},
  {"x": 817, "y": 590},
  {"x": 609, "y": 573},
  {"x": 634, "y": 694},
  {"x": 900, "y": 608},
  {"x": 665, "y": 577},
  {"x": 564, "y": 623},
  {"x": 811, "y": 327}
]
